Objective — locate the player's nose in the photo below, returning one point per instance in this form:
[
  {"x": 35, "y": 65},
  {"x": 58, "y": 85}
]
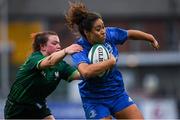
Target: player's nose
[{"x": 58, "y": 47}]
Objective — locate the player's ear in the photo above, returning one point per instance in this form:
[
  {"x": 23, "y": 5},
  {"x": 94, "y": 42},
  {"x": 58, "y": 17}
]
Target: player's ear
[
  {"x": 42, "y": 47},
  {"x": 86, "y": 32}
]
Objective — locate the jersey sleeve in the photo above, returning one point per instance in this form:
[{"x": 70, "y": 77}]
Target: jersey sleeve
[
  {"x": 67, "y": 72},
  {"x": 34, "y": 61},
  {"x": 80, "y": 57},
  {"x": 116, "y": 35}
]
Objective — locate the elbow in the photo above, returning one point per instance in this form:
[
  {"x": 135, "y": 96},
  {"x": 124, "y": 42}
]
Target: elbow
[
  {"x": 86, "y": 71},
  {"x": 131, "y": 34},
  {"x": 86, "y": 74},
  {"x": 46, "y": 63},
  {"x": 51, "y": 62}
]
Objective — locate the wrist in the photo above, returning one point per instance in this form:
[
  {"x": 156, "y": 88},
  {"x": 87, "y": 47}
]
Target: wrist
[
  {"x": 151, "y": 38},
  {"x": 113, "y": 62},
  {"x": 65, "y": 51}
]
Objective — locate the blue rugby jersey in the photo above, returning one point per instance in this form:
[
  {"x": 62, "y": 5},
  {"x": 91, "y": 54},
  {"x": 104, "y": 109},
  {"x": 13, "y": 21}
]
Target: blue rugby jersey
[{"x": 111, "y": 84}]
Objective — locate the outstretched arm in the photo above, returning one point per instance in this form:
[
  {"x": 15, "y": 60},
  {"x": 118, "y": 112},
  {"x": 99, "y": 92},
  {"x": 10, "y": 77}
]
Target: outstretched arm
[
  {"x": 55, "y": 57},
  {"x": 139, "y": 35}
]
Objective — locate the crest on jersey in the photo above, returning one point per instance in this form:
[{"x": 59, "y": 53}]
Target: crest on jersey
[
  {"x": 92, "y": 114},
  {"x": 56, "y": 75},
  {"x": 43, "y": 73}
]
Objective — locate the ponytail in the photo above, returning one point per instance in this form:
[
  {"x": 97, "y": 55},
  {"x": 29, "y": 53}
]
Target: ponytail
[{"x": 80, "y": 16}]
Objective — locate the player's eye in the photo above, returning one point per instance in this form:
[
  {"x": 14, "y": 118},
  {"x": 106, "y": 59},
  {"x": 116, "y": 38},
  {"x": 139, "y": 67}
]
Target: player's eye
[
  {"x": 103, "y": 27},
  {"x": 55, "y": 43},
  {"x": 98, "y": 29}
]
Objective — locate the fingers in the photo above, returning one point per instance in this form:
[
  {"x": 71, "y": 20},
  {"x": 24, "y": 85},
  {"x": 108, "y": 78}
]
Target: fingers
[
  {"x": 112, "y": 57},
  {"x": 73, "y": 48},
  {"x": 154, "y": 42},
  {"x": 155, "y": 45},
  {"x": 76, "y": 46}
]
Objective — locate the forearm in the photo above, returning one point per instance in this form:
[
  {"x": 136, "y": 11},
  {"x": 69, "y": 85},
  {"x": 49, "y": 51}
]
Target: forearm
[
  {"x": 57, "y": 56},
  {"x": 53, "y": 59},
  {"x": 139, "y": 35},
  {"x": 95, "y": 69}
]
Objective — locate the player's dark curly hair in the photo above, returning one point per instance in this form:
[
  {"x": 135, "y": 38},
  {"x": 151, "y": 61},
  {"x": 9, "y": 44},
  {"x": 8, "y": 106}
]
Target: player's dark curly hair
[
  {"x": 40, "y": 38},
  {"x": 79, "y": 15}
]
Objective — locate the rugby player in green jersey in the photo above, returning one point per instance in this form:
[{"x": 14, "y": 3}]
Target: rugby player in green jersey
[{"x": 38, "y": 77}]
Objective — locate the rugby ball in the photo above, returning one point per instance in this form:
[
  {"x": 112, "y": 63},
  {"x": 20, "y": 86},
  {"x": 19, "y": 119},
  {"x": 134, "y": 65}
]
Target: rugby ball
[{"x": 99, "y": 53}]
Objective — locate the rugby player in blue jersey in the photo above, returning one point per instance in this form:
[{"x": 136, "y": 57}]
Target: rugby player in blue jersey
[{"x": 106, "y": 96}]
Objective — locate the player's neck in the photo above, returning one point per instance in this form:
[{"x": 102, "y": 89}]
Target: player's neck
[{"x": 44, "y": 53}]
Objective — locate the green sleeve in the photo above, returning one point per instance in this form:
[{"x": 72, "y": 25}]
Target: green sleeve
[
  {"x": 70, "y": 78},
  {"x": 67, "y": 72},
  {"x": 33, "y": 61}
]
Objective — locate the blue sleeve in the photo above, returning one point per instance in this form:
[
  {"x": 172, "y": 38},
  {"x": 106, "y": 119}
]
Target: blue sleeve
[
  {"x": 116, "y": 35},
  {"x": 80, "y": 57}
]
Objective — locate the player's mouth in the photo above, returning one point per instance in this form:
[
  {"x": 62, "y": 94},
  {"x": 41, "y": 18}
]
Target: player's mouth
[
  {"x": 58, "y": 50},
  {"x": 104, "y": 36}
]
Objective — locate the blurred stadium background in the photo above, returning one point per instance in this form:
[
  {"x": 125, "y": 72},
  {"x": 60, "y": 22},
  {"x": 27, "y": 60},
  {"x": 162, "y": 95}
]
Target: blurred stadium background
[{"x": 151, "y": 77}]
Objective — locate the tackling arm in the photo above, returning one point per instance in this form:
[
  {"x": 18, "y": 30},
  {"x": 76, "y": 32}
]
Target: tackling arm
[{"x": 55, "y": 57}]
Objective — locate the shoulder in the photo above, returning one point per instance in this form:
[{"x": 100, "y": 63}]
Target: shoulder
[
  {"x": 80, "y": 41},
  {"x": 84, "y": 43},
  {"x": 115, "y": 32},
  {"x": 116, "y": 35},
  {"x": 108, "y": 29},
  {"x": 114, "y": 29},
  {"x": 36, "y": 55},
  {"x": 32, "y": 61}
]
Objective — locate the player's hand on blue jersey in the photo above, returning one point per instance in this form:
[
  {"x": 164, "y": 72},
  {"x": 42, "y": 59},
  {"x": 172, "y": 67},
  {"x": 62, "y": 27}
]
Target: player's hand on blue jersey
[{"x": 73, "y": 49}]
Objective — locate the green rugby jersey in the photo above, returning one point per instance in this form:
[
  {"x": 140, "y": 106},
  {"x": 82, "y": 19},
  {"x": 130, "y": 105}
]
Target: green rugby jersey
[{"x": 32, "y": 85}]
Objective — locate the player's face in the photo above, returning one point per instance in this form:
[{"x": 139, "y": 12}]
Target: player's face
[
  {"x": 97, "y": 34},
  {"x": 53, "y": 44}
]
